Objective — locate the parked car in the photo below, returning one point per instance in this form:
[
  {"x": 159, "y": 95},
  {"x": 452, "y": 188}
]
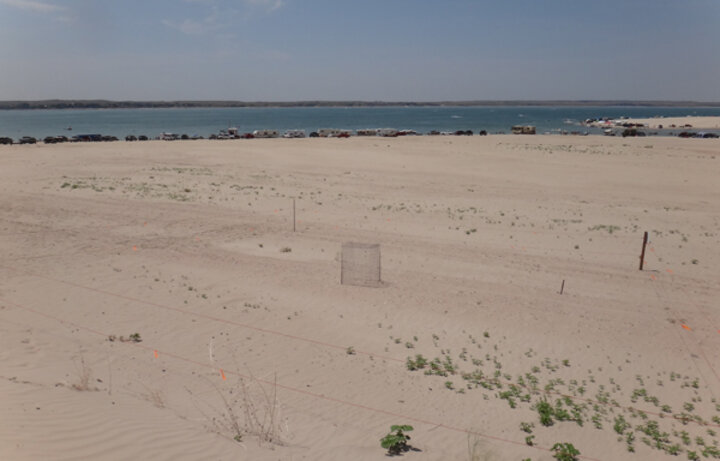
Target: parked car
[
  {"x": 142, "y": 137},
  {"x": 50, "y": 140},
  {"x": 131, "y": 137},
  {"x": 686, "y": 134},
  {"x": 6, "y": 141},
  {"x": 482, "y": 133},
  {"x": 247, "y": 136},
  {"x": 87, "y": 138},
  {"x": 314, "y": 134},
  {"x": 709, "y": 135},
  {"x": 27, "y": 140},
  {"x": 294, "y": 134}
]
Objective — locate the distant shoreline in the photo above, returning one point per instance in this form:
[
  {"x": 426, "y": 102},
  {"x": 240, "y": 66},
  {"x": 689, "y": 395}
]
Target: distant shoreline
[{"x": 108, "y": 104}]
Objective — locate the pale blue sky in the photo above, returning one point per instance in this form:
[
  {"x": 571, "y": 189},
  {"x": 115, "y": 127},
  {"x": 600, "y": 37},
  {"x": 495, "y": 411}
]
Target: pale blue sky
[{"x": 409, "y": 50}]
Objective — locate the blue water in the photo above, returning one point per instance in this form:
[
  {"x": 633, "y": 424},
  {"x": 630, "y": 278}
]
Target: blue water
[{"x": 203, "y": 122}]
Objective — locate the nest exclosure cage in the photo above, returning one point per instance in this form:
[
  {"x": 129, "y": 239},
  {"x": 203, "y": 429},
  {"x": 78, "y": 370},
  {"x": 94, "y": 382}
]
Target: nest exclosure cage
[{"x": 360, "y": 264}]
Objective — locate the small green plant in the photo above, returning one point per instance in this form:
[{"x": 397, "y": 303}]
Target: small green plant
[
  {"x": 630, "y": 441},
  {"x": 135, "y": 337},
  {"x": 565, "y": 452},
  {"x": 350, "y": 350},
  {"x": 529, "y": 440},
  {"x": 285, "y": 250},
  {"x": 545, "y": 411},
  {"x": 396, "y": 441},
  {"x": 620, "y": 424},
  {"x": 417, "y": 364},
  {"x": 527, "y": 427},
  {"x": 685, "y": 438}
]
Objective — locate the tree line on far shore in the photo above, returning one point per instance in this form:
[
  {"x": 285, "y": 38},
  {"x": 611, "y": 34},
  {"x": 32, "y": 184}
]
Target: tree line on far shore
[{"x": 107, "y": 104}]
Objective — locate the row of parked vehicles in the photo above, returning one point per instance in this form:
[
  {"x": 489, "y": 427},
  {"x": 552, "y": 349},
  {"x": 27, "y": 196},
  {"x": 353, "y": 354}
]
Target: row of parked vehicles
[
  {"x": 232, "y": 133},
  {"x": 633, "y": 132},
  {"x": 690, "y": 134},
  {"x": 60, "y": 139}
]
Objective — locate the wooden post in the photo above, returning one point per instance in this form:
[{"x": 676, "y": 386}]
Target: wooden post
[
  {"x": 562, "y": 287},
  {"x": 293, "y": 215},
  {"x": 642, "y": 254}
]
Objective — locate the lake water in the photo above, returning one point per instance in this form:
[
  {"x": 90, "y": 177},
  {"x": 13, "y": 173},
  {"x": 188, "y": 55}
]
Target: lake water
[{"x": 205, "y": 121}]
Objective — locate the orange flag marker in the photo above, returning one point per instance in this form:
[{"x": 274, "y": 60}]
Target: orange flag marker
[
  {"x": 669, "y": 271},
  {"x": 156, "y": 354},
  {"x": 134, "y": 248},
  {"x": 687, "y": 327},
  {"x": 652, "y": 276},
  {"x": 222, "y": 373}
]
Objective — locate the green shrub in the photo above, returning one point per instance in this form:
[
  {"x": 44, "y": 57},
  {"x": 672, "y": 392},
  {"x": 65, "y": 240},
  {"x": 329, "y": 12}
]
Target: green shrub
[
  {"x": 396, "y": 441},
  {"x": 565, "y": 452},
  {"x": 545, "y": 410}
]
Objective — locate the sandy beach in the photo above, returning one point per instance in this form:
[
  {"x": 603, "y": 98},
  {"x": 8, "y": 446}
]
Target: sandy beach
[{"x": 155, "y": 302}]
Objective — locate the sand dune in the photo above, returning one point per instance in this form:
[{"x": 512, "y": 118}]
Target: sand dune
[{"x": 245, "y": 329}]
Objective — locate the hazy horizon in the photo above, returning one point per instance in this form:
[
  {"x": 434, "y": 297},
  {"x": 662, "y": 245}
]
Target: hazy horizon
[
  {"x": 366, "y": 103},
  {"x": 318, "y": 50}
]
